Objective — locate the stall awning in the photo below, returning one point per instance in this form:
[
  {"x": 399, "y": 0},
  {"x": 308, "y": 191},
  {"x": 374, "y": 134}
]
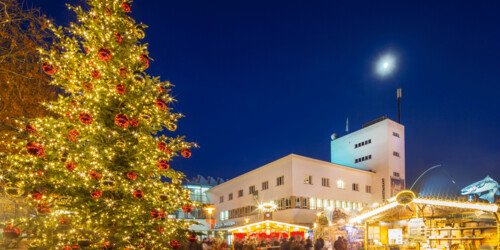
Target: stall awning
[
  {"x": 268, "y": 225},
  {"x": 407, "y": 198}
]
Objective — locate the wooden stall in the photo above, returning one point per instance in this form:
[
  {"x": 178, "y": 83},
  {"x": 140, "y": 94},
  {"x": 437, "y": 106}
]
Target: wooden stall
[
  {"x": 268, "y": 229},
  {"x": 408, "y": 222}
]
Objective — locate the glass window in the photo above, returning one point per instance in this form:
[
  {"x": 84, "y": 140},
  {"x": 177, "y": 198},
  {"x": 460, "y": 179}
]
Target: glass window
[
  {"x": 240, "y": 193},
  {"x": 297, "y": 202},
  {"x": 308, "y": 179},
  {"x": 305, "y": 202},
  {"x": 251, "y": 189},
  {"x": 280, "y": 180},
  {"x": 344, "y": 204},
  {"x": 340, "y": 184},
  {"x": 319, "y": 203},
  {"x": 312, "y": 203},
  {"x": 325, "y": 203},
  {"x": 265, "y": 185},
  {"x": 230, "y": 196},
  {"x": 338, "y": 204},
  {"x": 288, "y": 203}
]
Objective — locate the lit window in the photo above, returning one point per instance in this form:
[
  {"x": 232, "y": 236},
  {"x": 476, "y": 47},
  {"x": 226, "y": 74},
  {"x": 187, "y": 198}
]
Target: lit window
[
  {"x": 344, "y": 204},
  {"x": 325, "y": 203},
  {"x": 297, "y": 202},
  {"x": 312, "y": 203},
  {"x": 340, "y": 184},
  {"x": 338, "y": 204},
  {"x": 319, "y": 203},
  {"x": 308, "y": 179}
]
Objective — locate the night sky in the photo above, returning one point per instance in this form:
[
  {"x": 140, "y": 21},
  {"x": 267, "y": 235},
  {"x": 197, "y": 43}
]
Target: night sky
[{"x": 259, "y": 80}]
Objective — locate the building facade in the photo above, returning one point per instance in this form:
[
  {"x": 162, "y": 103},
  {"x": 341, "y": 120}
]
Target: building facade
[{"x": 300, "y": 187}]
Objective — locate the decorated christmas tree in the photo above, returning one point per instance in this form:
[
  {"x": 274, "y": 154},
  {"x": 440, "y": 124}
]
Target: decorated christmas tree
[{"x": 97, "y": 174}]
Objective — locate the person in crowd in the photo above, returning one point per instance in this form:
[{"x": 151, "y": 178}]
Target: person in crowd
[
  {"x": 345, "y": 244},
  {"x": 338, "y": 244},
  {"x": 318, "y": 245},
  {"x": 204, "y": 245},
  {"x": 328, "y": 244},
  {"x": 237, "y": 244},
  {"x": 285, "y": 245},
  {"x": 309, "y": 244},
  {"x": 193, "y": 243}
]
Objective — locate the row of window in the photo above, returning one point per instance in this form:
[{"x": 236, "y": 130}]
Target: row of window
[
  {"x": 308, "y": 179},
  {"x": 252, "y": 189},
  {"x": 364, "y": 158},
  {"x": 292, "y": 203},
  {"x": 395, "y": 153},
  {"x": 395, "y": 134},
  {"x": 357, "y": 145}
]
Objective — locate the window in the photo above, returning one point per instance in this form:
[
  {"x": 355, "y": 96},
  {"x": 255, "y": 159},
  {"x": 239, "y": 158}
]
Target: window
[
  {"x": 338, "y": 204},
  {"x": 363, "y": 143},
  {"x": 297, "y": 202},
  {"x": 224, "y": 215},
  {"x": 325, "y": 182},
  {"x": 240, "y": 193},
  {"x": 305, "y": 203},
  {"x": 396, "y": 174},
  {"x": 344, "y": 204},
  {"x": 265, "y": 185},
  {"x": 395, "y": 134},
  {"x": 230, "y": 196},
  {"x": 340, "y": 184},
  {"x": 279, "y": 204},
  {"x": 221, "y": 199},
  {"x": 364, "y": 158},
  {"x": 395, "y": 153},
  {"x": 288, "y": 203},
  {"x": 355, "y": 187},
  {"x": 368, "y": 188},
  {"x": 312, "y": 203},
  {"x": 308, "y": 179},
  {"x": 280, "y": 180},
  {"x": 319, "y": 203},
  {"x": 251, "y": 189}
]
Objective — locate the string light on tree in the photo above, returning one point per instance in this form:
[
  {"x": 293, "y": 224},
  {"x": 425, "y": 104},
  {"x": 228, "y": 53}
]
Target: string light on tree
[{"x": 93, "y": 171}]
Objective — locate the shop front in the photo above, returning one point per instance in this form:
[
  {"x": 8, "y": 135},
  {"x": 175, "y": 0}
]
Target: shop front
[
  {"x": 408, "y": 222},
  {"x": 268, "y": 229}
]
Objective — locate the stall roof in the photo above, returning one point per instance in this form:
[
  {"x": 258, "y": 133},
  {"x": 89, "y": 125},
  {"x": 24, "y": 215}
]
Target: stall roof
[
  {"x": 267, "y": 223},
  {"x": 486, "y": 207}
]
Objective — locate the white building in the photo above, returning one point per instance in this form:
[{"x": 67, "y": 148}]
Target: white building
[
  {"x": 379, "y": 147},
  {"x": 300, "y": 186}
]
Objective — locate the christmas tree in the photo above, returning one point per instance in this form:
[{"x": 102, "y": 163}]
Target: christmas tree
[{"x": 94, "y": 173}]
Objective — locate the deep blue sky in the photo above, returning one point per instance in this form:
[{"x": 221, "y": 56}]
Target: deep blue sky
[{"x": 259, "y": 80}]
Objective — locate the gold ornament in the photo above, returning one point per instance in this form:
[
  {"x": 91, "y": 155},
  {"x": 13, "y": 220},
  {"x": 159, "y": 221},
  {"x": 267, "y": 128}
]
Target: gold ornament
[
  {"x": 109, "y": 182},
  {"x": 171, "y": 126},
  {"x": 120, "y": 143},
  {"x": 139, "y": 77},
  {"x": 139, "y": 31},
  {"x": 13, "y": 189},
  {"x": 146, "y": 117}
]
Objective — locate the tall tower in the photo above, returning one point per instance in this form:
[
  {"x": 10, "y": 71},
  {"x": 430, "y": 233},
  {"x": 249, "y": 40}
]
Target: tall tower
[{"x": 379, "y": 146}]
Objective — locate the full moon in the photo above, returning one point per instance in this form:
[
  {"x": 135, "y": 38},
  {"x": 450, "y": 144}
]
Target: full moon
[{"x": 386, "y": 64}]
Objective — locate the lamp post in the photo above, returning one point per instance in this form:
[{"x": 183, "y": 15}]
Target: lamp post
[{"x": 210, "y": 210}]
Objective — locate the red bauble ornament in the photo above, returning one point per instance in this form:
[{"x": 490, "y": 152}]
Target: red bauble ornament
[
  {"x": 48, "y": 69},
  {"x": 96, "y": 194},
  {"x": 88, "y": 86},
  {"x": 186, "y": 153},
  {"x": 161, "y": 88},
  {"x": 11, "y": 232},
  {"x": 96, "y": 74},
  {"x": 108, "y": 11},
  {"x": 73, "y": 134},
  {"x": 123, "y": 72},
  {"x": 94, "y": 175},
  {"x": 160, "y": 229},
  {"x": 138, "y": 194},
  {"x": 161, "y": 104},
  {"x": 118, "y": 37},
  {"x": 192, "y": 238},
  {"x": 163, "y": 164},
  {"x": 168, "y": 151},
  {"x": 121, "y": 120},
  {"x": 104, "y": 54},
  {"x": 35, "y": 149},
  {"x": 161, "y": 146},
  {"x": 29, "y": 128},
  {"x": 187, "y": 208},
  {"x": 43, "y": 208},
  {"x": 70, "y": 166},
  {"x": 175, "y": 244},
  {"x": 86, "y": 50},
  {"x": 126, "y": 6},
  {"x": 120, "y": 88},
  {"x": 64, "y": 221},
  {"x": 134, "y": 123},
  {"x": 37, "y": 195},
  {"x": 144, "y": 61},
  {"x": 85, "y": 118},
  {"x": 155, "y": 214},
  {"x": 132, "y": 176}
]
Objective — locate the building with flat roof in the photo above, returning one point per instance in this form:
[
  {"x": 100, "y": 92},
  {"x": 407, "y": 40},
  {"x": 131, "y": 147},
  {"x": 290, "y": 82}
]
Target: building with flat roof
[{"x": 367, "y": 166}]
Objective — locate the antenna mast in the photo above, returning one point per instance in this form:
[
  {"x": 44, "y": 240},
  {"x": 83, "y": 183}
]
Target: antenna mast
[{"x": 399, "y": 95}]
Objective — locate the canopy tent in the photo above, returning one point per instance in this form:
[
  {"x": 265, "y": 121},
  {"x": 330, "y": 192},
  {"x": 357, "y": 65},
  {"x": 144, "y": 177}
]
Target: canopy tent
[{"x": 268, "y": 229}]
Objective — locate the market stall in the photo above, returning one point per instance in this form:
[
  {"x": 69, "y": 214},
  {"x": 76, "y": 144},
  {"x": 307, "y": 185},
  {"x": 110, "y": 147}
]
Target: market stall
[
  {"x": 407, "y": 222},
  {"x": 268, "y": 229}
]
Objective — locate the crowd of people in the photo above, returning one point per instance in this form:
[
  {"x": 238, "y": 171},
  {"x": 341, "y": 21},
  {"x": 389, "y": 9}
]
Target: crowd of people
[{"x": 291, "y": 243}]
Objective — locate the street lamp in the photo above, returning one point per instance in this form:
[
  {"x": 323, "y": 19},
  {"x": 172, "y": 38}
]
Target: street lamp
[{"x": 210, "y": 210}]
